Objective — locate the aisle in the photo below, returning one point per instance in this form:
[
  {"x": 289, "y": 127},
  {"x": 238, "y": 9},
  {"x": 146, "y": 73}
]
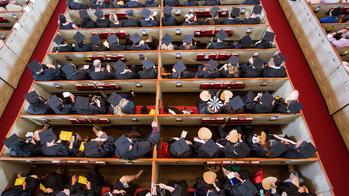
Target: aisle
[{"x": 333, "y": 153}]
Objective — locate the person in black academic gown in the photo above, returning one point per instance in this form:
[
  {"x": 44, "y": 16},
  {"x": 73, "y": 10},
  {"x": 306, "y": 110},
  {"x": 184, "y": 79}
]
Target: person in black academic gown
[
  {"x": 276, "y": 67},
  {"x": 191, "y": 3},
  {"x": 149, "y": 70},
  {"x": 72, "y": 4},
  {"x": 85, "y": 20},
  {"x": 208, "y": 70},
  {"x": 214, "y": 20},
  {"x": 113, "y": 43},
  {"x": 168, "y": 19},
  {"x": 79, "y": 45},
  {"x": 101, "y": 21},
  {"x": 254, "y": 17},
  {"x": 234, "y": 146},
  {"x": 190, "y": 18},
  {"x": 252, "y": 69},
  {"x": 231, "y": 68},
  {"x": 72, "y": 73},
  {"x": 132, "y": 4},
  {"x": 220, "y": 43},
  {"x": 149, "y": 18},
  {"x": 180, "y": 147},
  {"x": 43, "y": 72},
  {"x": 187, "y": 43},
  {"x": 245, "y": 42},
  {"x": 26, "y": 189},
  {"x": 125, "y": 185},
  {"x": 267, "y": 40},
  {"x": 100, "y": 73},
  {"x": 62, "y": 46},
  {"x": 171, "y": 3},
  {"x": 63, "y": 23},
  {"x": 209, "y": 185},
  {"x": 251, "y": 2},
  {"x": 22, "y": 148},
  {"x": 173, "y": 188},
  {"x": 138, "y": 44},
  {"x": 235, "y": 185},
  {"x": 120, "y": 104},
  {"x": 130, "y": 21},
  {"x": 60, "y": 106},
  {"x": 114, "y": 21},
  {"x": 93, "y": 105},
  {"x": 205, "y": 146},
  {"x": 179, "y": 70},
  {"x": 101, "y": 146},
  {"x": 167, "y": 43},
  {"x": 212, "y": 2},
  {"x": 132, "y": 145},
  {"x": 50, "y": 146},
  {"x": 122, "y": 71},
  {"x": 265, "y": 145},
  {"x": 97, "y": 43},
  {"x": 233, "y": 17},
  {"x": 37, "y": 104},
  {"x": 54, "y": 182}
]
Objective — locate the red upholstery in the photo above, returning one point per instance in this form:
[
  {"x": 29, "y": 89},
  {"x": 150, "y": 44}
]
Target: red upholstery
[
  {"x": 194, "y": 109},
  {"x": 138, "y": 108}
]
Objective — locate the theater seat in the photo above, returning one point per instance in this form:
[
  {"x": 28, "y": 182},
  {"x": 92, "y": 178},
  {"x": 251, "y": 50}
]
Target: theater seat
[
  {"x": 105, "y": 189},
  {"x": 194, "y": 109},
  {"x": 138, "y": 108}
]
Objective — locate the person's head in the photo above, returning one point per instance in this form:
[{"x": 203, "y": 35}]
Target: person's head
[
  {"x": 97, "y": 64},
  {"x": 62, "y": 19},
  {"x": 113, "y": 18}
]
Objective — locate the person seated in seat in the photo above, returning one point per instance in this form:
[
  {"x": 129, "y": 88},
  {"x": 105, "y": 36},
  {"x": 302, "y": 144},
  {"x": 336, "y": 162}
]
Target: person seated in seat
[
  {"x": 122, "y": 71},
  {"x": 254, "y": 67},
  {"x": 75, "y": 73},
  {"x": 112, "y": 43},
  {"x": 79, "y": 45},
  {"x": 214, "y": 20},
  {"x": 28, "y": 184},
  {"x": 132, "y": 145},
  {"x": 275, "y": 67},
  {"x": 190, "y": 18},
  {"x": 97, "y": 43},
  {"x": 179, "y": 70},
  {"x": 100, "y": 146},
  {"x": 37, "y": 104},
  {"x": 149, "y": 18},
  {"x": 180, "y": 147},
  {"x": 101, "y": 21},
  {"x": 234, "y": 146},
  {"x": 187, "y": 43},
  {"x": 138, "y": 44},
  {"x": 267, "y": 41},
  {"x": 44, "y": 72},
  {"x": 233, "y": 16},
  {"x": 191, "y": 3},
  {"x": 173, "y": 188},
  {"x": 251, "y": 2},
  {"x": 231, "y": 68},
  {"x": 62, "y": 46},
  {"x": 20, "y": 147},
  {"x": 73, "y": 4},
  {"x": 132, "y": 4},
  {"x": 51, "y": 145},
  {"x": 63, "y": 23},
  {"x": 85, "y": 20},
  {"x": 125, "y": 185},
  {"x": 340, "y": 38},
  {"x": 150, "y": 3},
  {"x": 99, "y": 4},
  {"x": 149, "y": 70},
  {"x": 90, "y": 105},
  {"x": 172, "y": 3},
  {"x": 205, "y": 146},
  {"x": 114, "y": 21},
  {"x": 63, "y": 105},
  {"x": 212, "y": 2},
  {"x": 254, "y": 17},
  {"x": 245, "y": 42},
  {"x": 167, "y": 43},
  {"x": 333, "y": 16},
  {"x": 99, "y": 72},
  {"x": 209, "y": 184},
  {"x": 91, "y": 187},
  {"x": 120, "y": 104},
  {"x": 130, "y": 21},
  {"x": 168, "y": 19},
  {"x": 220, "y": 43},
  {"x": 208, "y": 70}
]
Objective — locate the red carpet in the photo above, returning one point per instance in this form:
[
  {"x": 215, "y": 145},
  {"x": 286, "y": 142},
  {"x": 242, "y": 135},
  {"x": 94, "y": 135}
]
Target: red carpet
[
  {"x": 331, "y": 148},
  {"x": 333, "y": 153}
]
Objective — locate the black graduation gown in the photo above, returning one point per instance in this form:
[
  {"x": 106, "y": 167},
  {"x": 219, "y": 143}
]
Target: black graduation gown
[
  {"x": 231, "y": 150},
  {"x": 181, "y": 47},
  {"x": 151, "y": 3},
  {"x": 76, "y": 6},
  {"x": 87, "y": 23},
  {"x": 93, "y": 109},
  {"x": 39, "y": 108},
  {"x": 23, "y": 149},
  {"x": 191, "y": 3},
  {"x": 106, "y": 149},
  {"x": 130, "y": 22},
  {"x": 128, "y": 109},
  {"x": 116, "y": 47},
  {"x": 113, "y": 25},
  {"x": 251, "y": 21},
  {"x": 67, "y": 109},
  {"x": 270, "y": 72},
  {"x": 147, "y": 74},
  {"x": 231, "y": 21},
  {"x": 180, "y": 148},
  {"x": 208, "y": 150},
  {"x": 148, "y": 23},
  {"x": 212, "y": 2},
  {"x": 102, "y": 23},
  {"x": 58, "y": 150},
  {"x": 172, "y": 3},
  {"x": 184, "y": 74},
  {"x": 48, "y": 74},
  {"x": 78, "y": 75},
  {"x": 169, "y": 21},
  {"x": 130, "y": 190},
  {"x": 30, "y": 188},
  {"x": 218, "y": 45},
  {"x": 142, "y": 47},
  {"x": 247, "y": 71},
  {"x": 102, "y": 75},
  {"x": 65, "y": 48},
  {"x": 264, "y": 44},
  {"x": 202, "y": 106},
  {"x": 67, "y": 26},
  {"x": 207, "y": 74},
  {"x": 81, "y": 47},
  {"x": 126, "y": 76},
  {"x": 251, "y": 2},
  {"x": 98, "y": 47},
  {"x": 54, "y": 181}
]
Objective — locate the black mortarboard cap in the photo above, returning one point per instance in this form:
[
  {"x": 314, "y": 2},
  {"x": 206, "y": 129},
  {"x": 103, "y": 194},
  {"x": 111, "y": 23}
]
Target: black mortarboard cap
[
  {"x": 187, "y": 39},
  {"x": 95, "y": 39},
  {"x": 258, "y": 63},
  {"x": 278, "y": 59},
  {"x": 145, "y": 13},
  {"x": 276, "y": 149},
  {"x": 214, "y": 11},
  {"x": 83, "y": 14},
  {"x": 148, "y": 64},
  {"x": 167, "y": 39},
  {"x": 211, "y": 148},
  {"x": 307, "y": 149},
  {"x": 79, "y": 37},
  {"x": 82, "y": 102},
  {"x": 32, "y": 97},
  {"x": 267, "y": 99},
  {"x": 11, "y": 141},
  {"x": 242, "y": 149},
  {"x": 257, "y": 9},
  {"x": 295, "y": 107},
  {"x": 179, "y": 147},
  {"x": 122, "y": 145},
  {"x": 53, "y": 101},
  {"x": 222, "y": 35},
  {"x": 268, "y": 36},
  {"x": 234, "y": 60},
  {"x": 179, "y": 67},
  {"x": 129, "y": 12},
  {"x": 236, "y": 103},
  {"x": 112, "y": 39},
  {"x": 212, "y": 65},
  {"x": 247, "y": 188},
  {"x": 99, "y": 13},
  {"x": 235, "y": 12},
  {"x": 167, "y": 10},
  {"x": 46, "y": 136},
  {"x": 68, "y": 69},
  {"x": 135, "y": 38},
  {"x": 119, "y": 66},
  {"x": 246, "y": 41},
  {"x": 35, "y": 66},
  {"x": 91, "y": 149},
  {"x": 58, "y": 39},
  {"x": 114, "y": 99}
]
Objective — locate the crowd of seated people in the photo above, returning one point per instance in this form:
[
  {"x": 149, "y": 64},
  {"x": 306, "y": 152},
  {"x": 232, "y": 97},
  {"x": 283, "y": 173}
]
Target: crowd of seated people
[
  {"x": 336, "y": 15},
  {"x": 339, "y": 38},
  {"x": 44, "y": 142},
  {"x": 190, "y": 18},
  {"x": 60, "y": 183},
  {"x": 97, "y": 71},
  {"x": 254, "y": 68},
  {"x": 224, "y": 102},
  {"x": 205, "y": 2},
  {"x": 241, "y": 142},
  {"x": 100, "y": 4},
  {"x": 12, "y": 5}
]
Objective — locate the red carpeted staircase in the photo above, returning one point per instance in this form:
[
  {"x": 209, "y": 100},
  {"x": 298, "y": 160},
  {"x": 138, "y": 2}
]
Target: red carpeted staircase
[{"x": 332, "y": 151}]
